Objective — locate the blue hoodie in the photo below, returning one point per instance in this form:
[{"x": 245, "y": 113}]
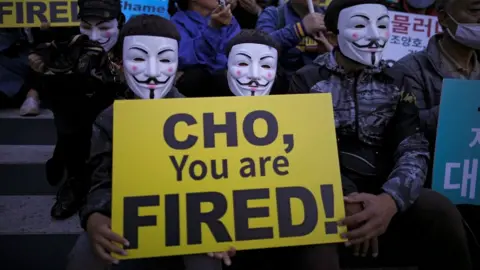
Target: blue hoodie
[
  {"x": 201, "y": 44},
  {"x": 286, "y": 27}
]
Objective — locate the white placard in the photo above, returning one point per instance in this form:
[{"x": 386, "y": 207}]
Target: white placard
[{"x": 409, "y": 33}]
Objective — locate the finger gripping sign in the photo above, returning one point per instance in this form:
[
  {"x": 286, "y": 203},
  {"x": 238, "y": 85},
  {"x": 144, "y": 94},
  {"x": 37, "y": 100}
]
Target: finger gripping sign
[{"x": 203, "y": 175}]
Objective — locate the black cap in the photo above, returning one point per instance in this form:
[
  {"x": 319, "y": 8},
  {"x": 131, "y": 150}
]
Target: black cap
[{"x": 103, "y": 9}]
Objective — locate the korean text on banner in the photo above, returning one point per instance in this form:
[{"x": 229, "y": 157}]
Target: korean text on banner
[
  {"x": 457, "y": 149},
  {"x": 410, "y": 33},
  {"x": 203, "y": 175},
  {"x": 32, "y": 13}
]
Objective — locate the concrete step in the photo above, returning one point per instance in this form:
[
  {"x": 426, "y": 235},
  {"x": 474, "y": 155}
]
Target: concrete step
[
  {"x": 22, "y": 170},
  {"x": 29, "y": 238},
  {"x": 30, "y": 251},
  {"x": 31, "y": 215},
  {"x": 14, "y": 129}
]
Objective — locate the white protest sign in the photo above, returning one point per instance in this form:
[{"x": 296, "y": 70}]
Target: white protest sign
[{"x": 409, "y": 33}]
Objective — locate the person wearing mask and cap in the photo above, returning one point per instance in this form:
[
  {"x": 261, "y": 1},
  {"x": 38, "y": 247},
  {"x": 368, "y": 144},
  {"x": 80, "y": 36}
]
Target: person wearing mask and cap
[
  {"x": 383, "y": 152},
  {"x": 424, "y": 7},
  {"x": 84, "y": 80},
  {"x": 451, "y": 54}
]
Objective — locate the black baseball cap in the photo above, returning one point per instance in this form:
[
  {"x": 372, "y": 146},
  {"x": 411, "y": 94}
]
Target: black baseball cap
[{"x": 103, "y": 9}]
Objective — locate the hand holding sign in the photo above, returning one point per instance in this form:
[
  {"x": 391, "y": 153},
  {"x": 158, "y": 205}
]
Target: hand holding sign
[
  {"x": 379, "y": 210},
  {"x": 313, "y": 23},
  {"x": 103, "y": 240}
]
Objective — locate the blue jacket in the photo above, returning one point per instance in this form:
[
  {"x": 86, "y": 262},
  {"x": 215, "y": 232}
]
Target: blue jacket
[
  {"x": 286, "y": 27},
  {"x": 201, "y": 44}
]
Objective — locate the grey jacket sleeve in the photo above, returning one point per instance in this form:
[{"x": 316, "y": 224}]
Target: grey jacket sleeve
[
  {"x": 411, "y": 154},
  {"x": 100, "y": 166},
  {"x": 412, "y": 81}
]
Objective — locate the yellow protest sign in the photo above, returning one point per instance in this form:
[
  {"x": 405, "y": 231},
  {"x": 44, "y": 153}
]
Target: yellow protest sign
[
  {"x": 32, "y": 13},
  {"x": 202, "y": 175}
]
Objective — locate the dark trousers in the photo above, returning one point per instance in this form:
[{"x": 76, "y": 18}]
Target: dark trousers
[
  {"x": 74, "y": 112},
  {"x": 315, "y": 257},
  {"x": 430, "y": 234}
]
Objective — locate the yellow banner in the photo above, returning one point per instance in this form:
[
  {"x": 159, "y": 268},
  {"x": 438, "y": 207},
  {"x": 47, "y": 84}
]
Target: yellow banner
[
  {"x": 203, "y": 175},
  {"x": 32, "y": 13}
]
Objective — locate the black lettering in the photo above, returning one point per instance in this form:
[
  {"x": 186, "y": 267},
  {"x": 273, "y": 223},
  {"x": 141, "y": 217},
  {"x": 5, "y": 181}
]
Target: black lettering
[
  {"x": 203, "y": 170},
  {"x": 249, "y": 132},
  {"x": 172, "y": 220},
  {"x": 4, "y": 11},
  {"x": 18, "y": 12},
  {"x": 74, "y": 11},
  {"x": 289, "y": 142},
  {"x": 247, "y": 170},
  {"x": 195, "y": 217},
  {"x": 223, "y": 171},
  {"x": 263, "y": 163},
  {"x": 132, "y": 222},
  {"x": 56, "y": 10},
  {"x": 37, "y": 9},
  {"x": 242, "y": 213},
  {"x": 285, "y": 224},
  {"x": 169, "y": 131},
  {"x": 229, "y": 128},
  {"x": 279, "y": 163},
  {"x": 179, "y": 167},
  {"x": 328, "y": 199}
]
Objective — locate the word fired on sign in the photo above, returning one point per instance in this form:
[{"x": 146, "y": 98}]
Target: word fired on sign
[
  {"x": 31, "y": 13},
  {"x": 203, "y": 175}
]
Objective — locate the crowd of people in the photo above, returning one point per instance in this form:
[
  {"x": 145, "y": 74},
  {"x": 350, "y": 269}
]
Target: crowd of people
[{"x": 385, "y": 117}]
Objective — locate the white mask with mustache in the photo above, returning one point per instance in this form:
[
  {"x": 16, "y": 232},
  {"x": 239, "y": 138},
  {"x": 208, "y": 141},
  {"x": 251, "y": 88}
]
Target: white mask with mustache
[
  {"x": 251, "y": 69},
  {"x": 103, "y": 32},
  {"x": 364, "y": 30},
  {"x": 150, "y": 64}
]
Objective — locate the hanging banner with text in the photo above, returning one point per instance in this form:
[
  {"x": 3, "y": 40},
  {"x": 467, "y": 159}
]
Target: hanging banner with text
[
  {"x": 203, "y": 175},
  {"x": 32, "y": 13},
  {"x": 457, "y": 148},
  {"x": 409, "y": 33}
]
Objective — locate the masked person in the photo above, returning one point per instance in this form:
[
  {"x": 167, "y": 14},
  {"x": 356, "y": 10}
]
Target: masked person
[
  {"x": 251, "y": 65},
  {"x": 299, "y": 33},
  {"x": 383, "y": 153},
  {"x": 251, "y": 72},
  {"x": 451, "y": 54},
  {"x": 150, "y": 59},
  {"x": 81, "y": 77}
]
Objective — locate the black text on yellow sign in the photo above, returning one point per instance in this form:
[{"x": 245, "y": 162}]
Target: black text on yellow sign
[
  {"x": 199, "y": 180},
  {"x": 32, "y": 13}
]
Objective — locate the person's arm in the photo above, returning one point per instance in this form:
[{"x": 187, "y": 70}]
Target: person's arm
[
  {"x": 100, "y": 168},
  {"x": 410, "y": 155},
  {"x": 409, "y": 72},
  {"x": 288, "y": 36},
  {"x": 198, "y": 50}
]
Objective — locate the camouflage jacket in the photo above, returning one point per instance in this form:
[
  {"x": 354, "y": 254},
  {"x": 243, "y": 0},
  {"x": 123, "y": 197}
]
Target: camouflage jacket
[
  {"x": 99, "y": 198},
  {"x": 381, "y": 146}
]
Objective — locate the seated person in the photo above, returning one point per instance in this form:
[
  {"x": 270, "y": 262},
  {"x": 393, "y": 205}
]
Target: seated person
[
  {"x": 383, "y": 153},
  {"x": 451, "y": 54},
  {"x": 158, "y": 37},
  {"x": 299, "y": 34},
  {"x": 423, "y": 7},
  {"x": 205, "y": 28},
  {"x": 252, "y": 64},
  {"x": 253, "y": 75},
  {"x": 14, "y": 73}
]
